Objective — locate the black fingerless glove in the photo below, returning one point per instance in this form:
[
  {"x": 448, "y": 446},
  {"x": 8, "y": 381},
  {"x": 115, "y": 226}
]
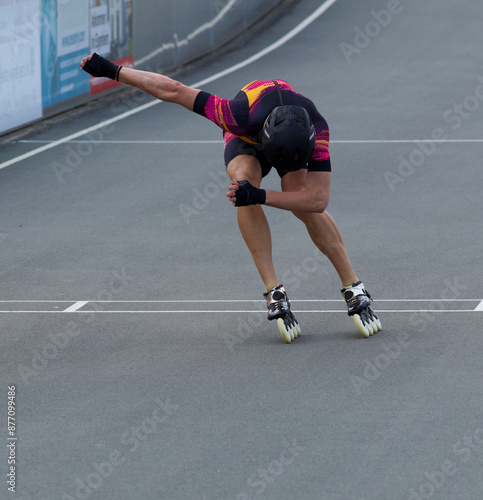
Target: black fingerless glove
[
  {"x": 247, "y": 194},
  {"x": 98, "y": 66}
]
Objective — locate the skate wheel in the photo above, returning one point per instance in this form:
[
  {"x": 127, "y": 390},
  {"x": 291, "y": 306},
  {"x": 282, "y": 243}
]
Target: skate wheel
[
  {"x": 372, "y": 327},
  {"x": 284, "y": 331},
  {"x": 288, "y": 327},
  {"x": 362, "y": 326},
  {"x": 376, "y": 323},
  {"x": 367, "y": 322}
]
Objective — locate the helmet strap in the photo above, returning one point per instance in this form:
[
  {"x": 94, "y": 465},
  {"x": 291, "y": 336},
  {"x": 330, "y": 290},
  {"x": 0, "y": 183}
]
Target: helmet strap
[{"x": 279, "y": 92}]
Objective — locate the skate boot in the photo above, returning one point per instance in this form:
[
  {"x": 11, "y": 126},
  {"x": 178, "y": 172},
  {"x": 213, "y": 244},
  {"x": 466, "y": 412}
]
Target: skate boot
[
  {"x": 279, "y": 308},
  {"x": 358, "y": 303}
]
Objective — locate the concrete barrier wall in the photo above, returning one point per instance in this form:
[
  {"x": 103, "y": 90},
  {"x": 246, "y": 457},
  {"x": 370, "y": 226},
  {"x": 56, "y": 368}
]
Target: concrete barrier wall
[{"x": 170, "y": 33}]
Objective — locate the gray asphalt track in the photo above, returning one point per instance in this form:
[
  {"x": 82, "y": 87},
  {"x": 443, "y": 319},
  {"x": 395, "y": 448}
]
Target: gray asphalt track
[{"x": 141, "y": 392}]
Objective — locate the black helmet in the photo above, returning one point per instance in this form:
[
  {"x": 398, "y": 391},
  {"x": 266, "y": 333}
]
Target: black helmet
[{"x": 288, "y": 138}]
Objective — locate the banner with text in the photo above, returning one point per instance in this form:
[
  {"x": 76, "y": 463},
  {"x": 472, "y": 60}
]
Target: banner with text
[
  {"x": 20, "y": 66},
  {"x": 110, "y": 36}
]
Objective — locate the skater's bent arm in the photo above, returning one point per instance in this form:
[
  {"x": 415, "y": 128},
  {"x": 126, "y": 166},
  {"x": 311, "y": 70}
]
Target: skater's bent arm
[
  {"x": 312, "y": 200},
  {"x": 160, "y": 86}
]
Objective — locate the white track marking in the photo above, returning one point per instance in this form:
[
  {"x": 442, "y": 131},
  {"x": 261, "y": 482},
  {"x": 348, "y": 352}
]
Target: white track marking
[
  {"x": 237, "y": 311},
  {"x": 34, "y": 141},
  {"x": 403, "y": 141},
  {"x": 216, "y": 301},
  {"x": 75, "y": 307},
  {"x": 281, "y": 41},
  {"x": 194, "y": 141}
]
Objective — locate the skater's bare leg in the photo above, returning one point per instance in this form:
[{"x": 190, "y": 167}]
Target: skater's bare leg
[
  {"x": 324, "y": 233},
  {"x": 252, "y": 221},
  {"x": 322, "y": 229}
]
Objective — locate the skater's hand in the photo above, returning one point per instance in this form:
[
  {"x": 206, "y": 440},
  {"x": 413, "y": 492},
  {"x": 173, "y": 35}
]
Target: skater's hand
[
  {"x": 83, "y": 62},
  {"x": 242, "y": 193},
  {"x": 232, "y": 189},
  {"x": 98, "y": 66}
]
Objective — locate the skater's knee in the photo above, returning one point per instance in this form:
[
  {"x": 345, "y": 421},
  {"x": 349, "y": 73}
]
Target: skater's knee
[
  {"x": 245, "y": 168},
  {"x": 305, "y": 217}
]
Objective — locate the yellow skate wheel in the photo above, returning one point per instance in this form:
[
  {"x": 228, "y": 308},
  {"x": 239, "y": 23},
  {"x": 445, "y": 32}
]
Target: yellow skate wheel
[
  {"x": 285, "y": 332},
  {"x": 377, "y": 321},
  {"x": 363, "y": 327}
]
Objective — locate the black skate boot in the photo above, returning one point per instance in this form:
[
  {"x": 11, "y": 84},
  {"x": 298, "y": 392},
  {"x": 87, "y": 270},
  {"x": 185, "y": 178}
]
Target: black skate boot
[
  {"x": 279, "y": 308},
  {"x": 358, "y": 303}
]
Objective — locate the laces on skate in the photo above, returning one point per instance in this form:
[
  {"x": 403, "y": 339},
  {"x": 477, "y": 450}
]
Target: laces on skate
[
  {"x": 356, "y": 297},
  {"x": 277, "y": 302},
  {"x": 358, "y": 302},
  {"x": 279, "y": 308}
]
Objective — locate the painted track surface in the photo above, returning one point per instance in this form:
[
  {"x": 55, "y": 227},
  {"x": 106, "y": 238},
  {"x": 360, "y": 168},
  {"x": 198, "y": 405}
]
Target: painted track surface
[{"x": 132, "y": 394}]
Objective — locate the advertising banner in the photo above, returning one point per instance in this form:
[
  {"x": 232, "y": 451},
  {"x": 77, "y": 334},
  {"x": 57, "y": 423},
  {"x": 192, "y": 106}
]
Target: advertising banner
[
  {"x": 110, "y": 23},
  {"x": 73, "y": 29},
  {"x": 20, "y": 68},
  {"x": 65, "y": 40}
]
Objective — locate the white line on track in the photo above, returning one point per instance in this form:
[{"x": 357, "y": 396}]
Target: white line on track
[
  {"x": 404, "y": 141},
  {"x": 216, "y": 301},
  {"x": 267, "y": 50},
  {"x": 194, "y": 141},
  {"x": 34, "y": 141},
  {"x": 403, "y": 311},
  {"x": 75, "y": 307}
]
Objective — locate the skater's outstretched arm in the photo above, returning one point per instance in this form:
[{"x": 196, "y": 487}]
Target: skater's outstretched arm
[
  {"x": 312, "y": 200},
  {"x": 159, "y": 86}
]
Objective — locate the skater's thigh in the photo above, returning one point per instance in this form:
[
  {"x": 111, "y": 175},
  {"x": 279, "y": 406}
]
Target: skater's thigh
[
  {"x": 245, "y": 168},
  {"x": 295, "y": 181},
  {"x": 301, "y": 180}
]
